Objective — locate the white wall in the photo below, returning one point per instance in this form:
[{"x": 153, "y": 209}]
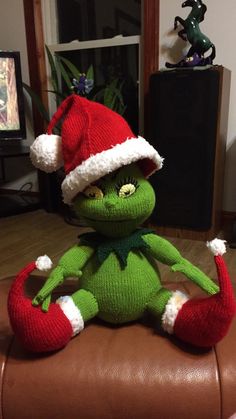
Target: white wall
[
  {"x": 12, "y": 37},
  {"x": 219, "y": 26}
]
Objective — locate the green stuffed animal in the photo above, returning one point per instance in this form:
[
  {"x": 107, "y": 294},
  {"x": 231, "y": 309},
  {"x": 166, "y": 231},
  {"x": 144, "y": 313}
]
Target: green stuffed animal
[{"x": 118, "y": 277}]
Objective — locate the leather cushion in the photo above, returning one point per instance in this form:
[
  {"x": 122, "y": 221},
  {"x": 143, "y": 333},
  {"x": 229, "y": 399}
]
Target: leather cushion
[{"x": 110, "y": 372}]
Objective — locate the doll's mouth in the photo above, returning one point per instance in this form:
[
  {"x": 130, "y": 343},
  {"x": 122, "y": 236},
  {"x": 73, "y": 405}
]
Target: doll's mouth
[{"x": 106, "y": 221}]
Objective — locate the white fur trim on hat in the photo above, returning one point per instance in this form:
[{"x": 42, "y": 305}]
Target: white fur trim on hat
[
  {"x": 43, "y": 263},
  {"x": 172, "y": 309},
  {"x": 46, "y": 153},
  {"x": 217, "y": 246},
  {"x": 100, "y": 164},
  {"x": 72, "y": 313}
]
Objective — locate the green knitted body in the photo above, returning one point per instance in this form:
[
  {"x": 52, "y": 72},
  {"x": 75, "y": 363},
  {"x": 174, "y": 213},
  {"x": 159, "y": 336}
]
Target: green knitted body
[
  {"x": 118, "y": 278},
  {"x": 122, "y": 294}
]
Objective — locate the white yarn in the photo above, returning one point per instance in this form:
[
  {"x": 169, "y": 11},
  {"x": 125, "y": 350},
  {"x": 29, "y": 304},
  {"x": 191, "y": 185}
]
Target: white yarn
[
  {"x": 107, "y": 161},
  {"x": 172, "y": 309},
  {"x": 46, "y": 152},
  {"x": 43, "y": 263},
  {"x": 217, "y": 246},
  {"x": 72, "y": 313}
]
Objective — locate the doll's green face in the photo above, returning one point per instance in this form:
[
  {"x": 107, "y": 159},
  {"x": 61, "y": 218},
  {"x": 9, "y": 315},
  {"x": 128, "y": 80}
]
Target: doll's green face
[{"x": 118, "y": 203}]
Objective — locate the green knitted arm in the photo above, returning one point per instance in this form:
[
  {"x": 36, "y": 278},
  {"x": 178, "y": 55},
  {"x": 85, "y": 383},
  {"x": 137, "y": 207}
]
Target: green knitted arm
[
  {"x": 70, "y": 264},
  {"x": 165, "y": 252}
]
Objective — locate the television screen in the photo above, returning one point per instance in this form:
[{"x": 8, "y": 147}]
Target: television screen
[{"x": 12, "y": 117}]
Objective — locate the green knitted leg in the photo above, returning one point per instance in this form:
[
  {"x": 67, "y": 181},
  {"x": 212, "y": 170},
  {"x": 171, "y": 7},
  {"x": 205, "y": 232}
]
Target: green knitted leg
[
  {"x": 86, "y": 303},
  {"x": 157, "y": 304}
]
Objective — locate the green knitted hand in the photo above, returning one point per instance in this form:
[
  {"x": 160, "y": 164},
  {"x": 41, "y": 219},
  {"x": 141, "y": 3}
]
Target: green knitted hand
[
  {"x": 56, "y": 278},
  {"x": 46, "y": 303},
  {"x": 44, "y": 295},
  {"x": 166, "y": 253},
  {"x": 70, "y": 264}
]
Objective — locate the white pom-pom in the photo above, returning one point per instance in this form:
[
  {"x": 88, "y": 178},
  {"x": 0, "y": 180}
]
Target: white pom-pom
[
  {"x": 217, "y": 246},
  {"x": 43, "y": 263},
  {"x": 46, "y": 153}
]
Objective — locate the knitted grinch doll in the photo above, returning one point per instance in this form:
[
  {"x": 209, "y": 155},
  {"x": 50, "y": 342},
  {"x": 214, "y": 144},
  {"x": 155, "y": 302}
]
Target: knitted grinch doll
[{"x": 106, "y": 170}]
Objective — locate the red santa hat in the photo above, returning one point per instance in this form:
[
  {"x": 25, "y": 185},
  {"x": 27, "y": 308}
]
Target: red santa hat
[{"x": 94, "y": 141}]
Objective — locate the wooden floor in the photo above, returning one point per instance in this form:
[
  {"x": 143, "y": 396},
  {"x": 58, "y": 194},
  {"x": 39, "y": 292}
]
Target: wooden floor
[{"x": 25, "y": 237}]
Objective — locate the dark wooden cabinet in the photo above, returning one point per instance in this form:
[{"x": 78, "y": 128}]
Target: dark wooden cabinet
[{"x": 189, "y": 117}]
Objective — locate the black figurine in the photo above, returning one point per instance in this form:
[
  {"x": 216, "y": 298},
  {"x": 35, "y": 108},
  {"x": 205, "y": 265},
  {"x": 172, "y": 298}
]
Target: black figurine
[{"x": 191, "y": 32}]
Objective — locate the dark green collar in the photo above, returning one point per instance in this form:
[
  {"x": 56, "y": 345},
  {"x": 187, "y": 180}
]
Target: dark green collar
[{"x": 121, "y": 246}]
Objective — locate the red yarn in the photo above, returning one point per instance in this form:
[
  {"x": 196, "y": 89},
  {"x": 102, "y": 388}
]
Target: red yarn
[
  {"x": 88, "y": 128},
  {"x": 204, "y": 322},
  {"x": 36, "y": 330}
]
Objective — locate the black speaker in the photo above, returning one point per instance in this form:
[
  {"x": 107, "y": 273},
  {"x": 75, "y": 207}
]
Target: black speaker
[{"x": 183, "y": 121}]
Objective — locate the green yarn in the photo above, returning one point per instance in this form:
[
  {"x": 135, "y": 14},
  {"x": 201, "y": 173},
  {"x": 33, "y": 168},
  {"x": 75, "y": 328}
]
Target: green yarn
[
  {"x": 121, "y": 246},
  {"x": 87, "y": 304},
  {"x": 74, "y": 259},
  {"x": 69, "y": 265},
  {"x": 197, "y": 276},
  {"x": 166, "y": 253},
  {"x": 118, "y": 277},
  {"x": 157, "y": 304},
  {"x": 115, "y": 215},
  {"x": 56, "y": 278},
  {"x": 162, "y": 250},
  {"x": 122, "y": 294}
]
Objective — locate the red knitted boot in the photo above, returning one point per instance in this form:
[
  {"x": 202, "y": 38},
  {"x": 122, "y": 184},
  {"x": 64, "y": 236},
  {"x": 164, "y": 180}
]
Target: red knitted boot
[
  {"x": 203, "y": 322},
  {"x": 36, "y": 330}
]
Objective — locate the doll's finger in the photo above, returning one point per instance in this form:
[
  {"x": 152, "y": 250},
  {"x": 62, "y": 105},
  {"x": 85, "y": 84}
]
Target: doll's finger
[
  {"x": 46, "y": 303},
  {"x": 79, "y": 274},
  {"x": 37, "y": 300},
  {"x": 177, "y": 267}
]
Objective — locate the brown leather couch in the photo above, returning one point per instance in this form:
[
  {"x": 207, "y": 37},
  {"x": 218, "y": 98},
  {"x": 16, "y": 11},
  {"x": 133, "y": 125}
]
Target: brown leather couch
[{"x": 128, "y": 372}]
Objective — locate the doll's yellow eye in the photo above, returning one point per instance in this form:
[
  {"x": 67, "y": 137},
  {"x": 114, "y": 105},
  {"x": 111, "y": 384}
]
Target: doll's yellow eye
[
  {"x": 93, "y": 192},
  {"x": 126, "y": 190}
]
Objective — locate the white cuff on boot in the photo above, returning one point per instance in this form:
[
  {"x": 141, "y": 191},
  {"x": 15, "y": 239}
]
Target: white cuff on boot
[
  {"x": 72, "y": 313},
  {"x": 172, "y": 309}
]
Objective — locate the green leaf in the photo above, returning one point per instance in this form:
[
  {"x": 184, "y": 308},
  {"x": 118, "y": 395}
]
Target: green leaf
[
  {"x": 98, "y": 97},
  {"x": 58, "y": 94},
  {"x": 117, "y": 90},
  {"x": 109, "y": 98},
  {"x": 37, "y": 102},
  {"x": 54, "y": 76},
  {"x": 64, "y": 75},
  {"x": 113, "y": 98},
  {"x": 73, "y": 69},
  {"x": 90, "y": 73},
  {"x": 121, "y": 109}
]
